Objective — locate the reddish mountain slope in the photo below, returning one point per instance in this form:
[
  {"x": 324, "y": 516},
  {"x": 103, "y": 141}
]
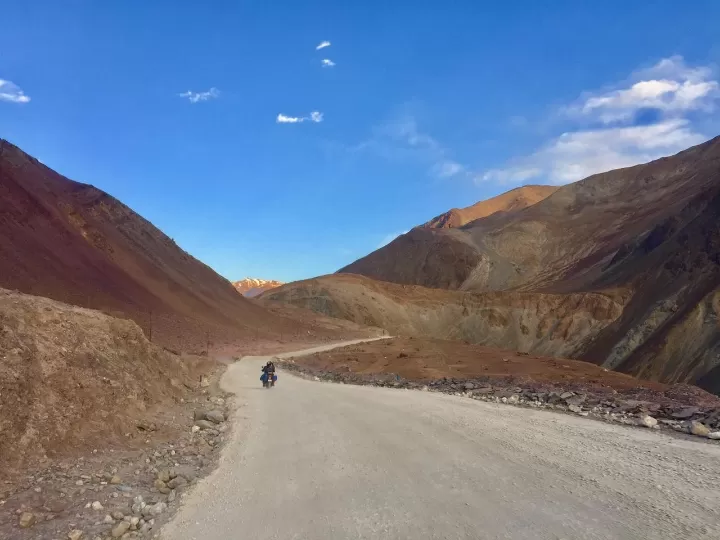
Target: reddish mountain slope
[
  {"x": 648, "y": 236},
  {"x": 74, "y": 243},
  {"x": 564, "y": 242},
  {"x": 251, "y": 287},
  {"x": 511, "y": 201}
]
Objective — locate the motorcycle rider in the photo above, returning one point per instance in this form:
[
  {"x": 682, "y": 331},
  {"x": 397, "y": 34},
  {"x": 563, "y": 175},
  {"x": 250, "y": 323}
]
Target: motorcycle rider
[{"x": 269, "y": 371}]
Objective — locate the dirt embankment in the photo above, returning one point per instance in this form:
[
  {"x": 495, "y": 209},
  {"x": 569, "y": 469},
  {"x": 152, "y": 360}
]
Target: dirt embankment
[
  {"x": 73, "y": 379},
  {"x": 492, "y": 374},
  {"x": 547, "y": 324}
]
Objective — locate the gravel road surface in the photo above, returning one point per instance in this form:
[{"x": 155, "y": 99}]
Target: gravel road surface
[{"x": 321, "y": 461}]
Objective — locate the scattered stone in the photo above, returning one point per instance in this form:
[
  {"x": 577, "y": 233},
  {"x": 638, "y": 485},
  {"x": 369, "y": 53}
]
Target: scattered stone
[
  {"x": 79, "y": 483},
  {"x": 97, "y": 505},
  {"x": 115, "y": 480},
  {"x": 27, "y": 520},
  {"x": 172, "y": 494},
  {"x": 215, "y": 416},
  {"x": 576, "y": 400},
  {"x": 195, "y": 429},
  {"x": 75, "y": 534},
  {"x": 146, "y": 426},
  {"x": 164, "y": 476},
  {"x": 685, "y": 413},
  {"x": 187, "y": 472},
  {"x": 161, "y": 486},
  {"x": 108, "y": 519},
  {"x": 566, "y": 395},
  {"x": 575, "y": 409},
  {"x": 648, "y": 421},
  {"x": 138, "y": 506},
  {"x": 177, "y": 482},
  {"x": 715, "y": 435},
  {"x": 158, "y": 509},
  {"x": 205, "y": 424},
  {"x": 699, "y": 429},
  {"x": 486, "y": 390},
  {"x": 120, "y": 529},
  {"x": 134, "y": 521}
]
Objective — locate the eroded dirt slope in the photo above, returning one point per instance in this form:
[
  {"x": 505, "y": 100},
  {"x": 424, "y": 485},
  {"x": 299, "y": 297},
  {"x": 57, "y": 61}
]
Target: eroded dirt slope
[
  {"x": 531, "y": 322},
  {"x": 73, "y": 378}
]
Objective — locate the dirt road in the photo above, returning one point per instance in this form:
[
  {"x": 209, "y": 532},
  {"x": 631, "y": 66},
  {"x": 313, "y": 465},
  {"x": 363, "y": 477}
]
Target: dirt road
[{"x": 320, "y": 461}]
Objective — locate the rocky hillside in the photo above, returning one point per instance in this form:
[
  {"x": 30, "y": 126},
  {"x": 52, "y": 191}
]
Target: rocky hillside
[
  {"x": 648, "y": 237},
  {"x": 549, "y": 324},
  {"x": 74, "y": 243},
  {"x": 511, "y": 201},
  {"x": 74, "y": 378},
  {"x": 570, "y": 241},
  {"x": 251, "y": 287}
]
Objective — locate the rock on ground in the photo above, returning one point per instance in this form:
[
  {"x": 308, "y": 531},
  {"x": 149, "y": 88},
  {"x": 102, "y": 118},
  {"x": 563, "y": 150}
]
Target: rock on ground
[
  {"x": 648, "y": 421},
  {"x": 699, "y": 429},
  {"x": 27, "y": 520}
]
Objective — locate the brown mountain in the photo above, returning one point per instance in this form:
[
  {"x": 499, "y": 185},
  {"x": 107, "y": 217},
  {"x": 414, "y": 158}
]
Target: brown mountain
[
  {"x": 74, "y": 243},
  {"x": 511, "y": 201},
  {"x": 647, "y": 237},
  {"x": 563, "y": 242},
  {"x": 251, "y": 287}
]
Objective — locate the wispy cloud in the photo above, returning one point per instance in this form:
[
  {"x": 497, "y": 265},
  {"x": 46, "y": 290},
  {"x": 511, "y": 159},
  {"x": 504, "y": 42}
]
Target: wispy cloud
[
  {"x": 402, "y": 139},
  {"x": 648, "y": 116},
  {"x": 11, "y": 92},
  {"x": 326, "y": 62},
  {"x": 195, "y": 97},
  {"x": 322, "y": 45},
  {"x": 315, "y": 116}
]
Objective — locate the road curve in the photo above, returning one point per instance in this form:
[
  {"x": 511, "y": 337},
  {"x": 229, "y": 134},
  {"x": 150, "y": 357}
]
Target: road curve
[{"x": 322, "y": 461}]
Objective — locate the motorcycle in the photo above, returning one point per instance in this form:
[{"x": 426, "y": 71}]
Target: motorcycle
[{"x": 268, "y": 379}]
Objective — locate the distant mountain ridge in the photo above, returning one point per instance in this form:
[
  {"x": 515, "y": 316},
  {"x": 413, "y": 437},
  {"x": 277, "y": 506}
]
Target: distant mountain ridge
[
  {"x": 510, "y": 201},
  {"x": 647, "y": 237},
  {"x": 250, "y": 287}
]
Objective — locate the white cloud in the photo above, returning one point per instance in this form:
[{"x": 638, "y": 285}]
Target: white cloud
[
  {"x": 11, "y": 92},
  {"x": 669, "y": 87},
  {"x": 322, "y": 45},
  {"x": 326, "y": 62},
  {"x": 401, "y": 139},
  {"x": 389, "y": 238},
  {"x": 315, "y": 116},
  {"x": 448, "y": 169},
  {"x": 282, "y": 119},
  {"x": 576, "y": 155},
  {"x": 195, "y": 97},
  {"x": 648, "y": 117}
]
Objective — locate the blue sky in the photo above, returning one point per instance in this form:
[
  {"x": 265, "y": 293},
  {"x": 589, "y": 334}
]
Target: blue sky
[{"x": 220, "y": 123}]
